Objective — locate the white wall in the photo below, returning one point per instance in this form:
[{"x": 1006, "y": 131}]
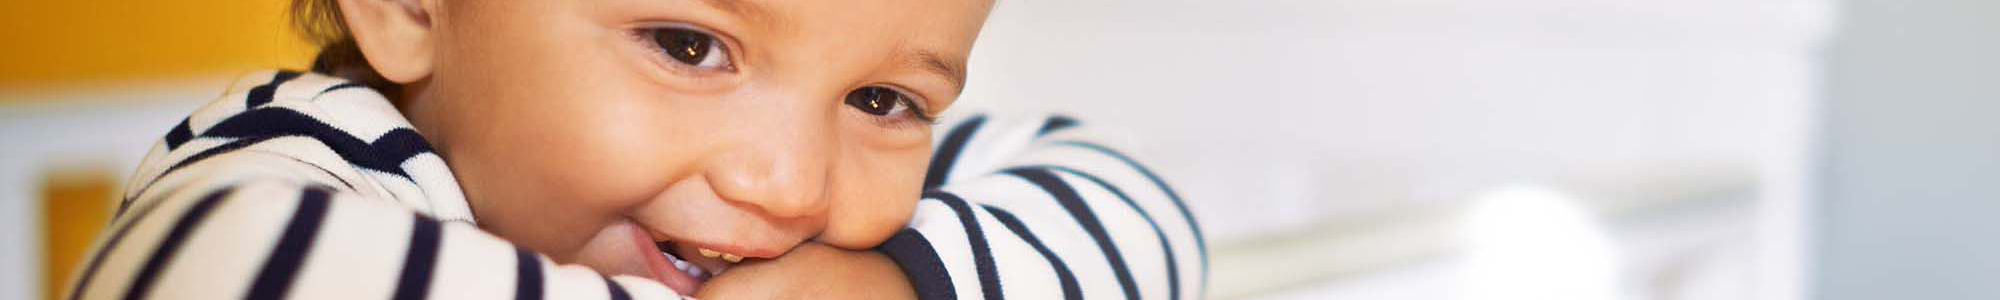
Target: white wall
[
  {"x": 1277, "y": 114},
  {"x": 1350, "y": 105}
]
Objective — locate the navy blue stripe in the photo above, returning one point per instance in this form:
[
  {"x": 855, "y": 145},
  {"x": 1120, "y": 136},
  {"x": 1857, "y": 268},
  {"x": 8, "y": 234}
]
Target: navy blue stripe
[
  {"x": 617, "y": 291},
  {"x": 205, "y": 154},
  {"x": 1071, "y": 290},
  {"x": 1199, "y": 240},
  {"x": 920, "y": 263},
  {"x": 420, "y": 259},
  {"x": 124, "y": 205},
  {"x": 179, "y": 135},
  {"x": 982, "y": 254},
  {"x": 527, "y": 276},
  {"x": 1173, "y": 265},
  {"x": 323, "y": 170},
  {"x": 262, "y": 93},
  {"x": 97, "y": 259},
  {"x": 210, "y": 152},
  {"x": 948, "y": 151},
  {"x": 191, "y": 159},
  {"x": 1055, "y": 123},
  {"x": 341, "y": 86},
  {"x": 385, "y": 154},
  {"x": 1073, "y": 203},
  {"x": 142, "y": 284},
  {"x": 283, "y": 266}
]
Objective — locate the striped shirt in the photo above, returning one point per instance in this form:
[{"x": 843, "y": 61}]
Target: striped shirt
[{"x": 301, "y": 185}]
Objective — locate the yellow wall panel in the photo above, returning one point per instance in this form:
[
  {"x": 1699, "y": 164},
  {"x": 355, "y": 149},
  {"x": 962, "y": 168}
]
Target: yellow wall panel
[{"x": 58, "y": 43}]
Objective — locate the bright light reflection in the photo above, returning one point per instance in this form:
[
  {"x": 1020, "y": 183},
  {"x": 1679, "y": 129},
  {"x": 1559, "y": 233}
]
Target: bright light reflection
[{"x": 1534, "y": 243}]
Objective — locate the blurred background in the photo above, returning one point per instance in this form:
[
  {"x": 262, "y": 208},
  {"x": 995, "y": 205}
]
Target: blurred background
[{"x": 1333, "y": 149}]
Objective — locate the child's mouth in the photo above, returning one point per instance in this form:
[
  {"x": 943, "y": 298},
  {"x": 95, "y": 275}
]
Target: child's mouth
[
  {"x": 682, "y": 267},
  {"x": 690, "y": 265},
  {"x": 678, "y": 274},
  {"x": 666, "y": 249}
]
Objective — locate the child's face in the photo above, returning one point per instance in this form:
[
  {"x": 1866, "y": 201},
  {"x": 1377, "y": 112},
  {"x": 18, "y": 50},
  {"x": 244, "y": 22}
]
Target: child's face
[{"x": 586, "y": 129}]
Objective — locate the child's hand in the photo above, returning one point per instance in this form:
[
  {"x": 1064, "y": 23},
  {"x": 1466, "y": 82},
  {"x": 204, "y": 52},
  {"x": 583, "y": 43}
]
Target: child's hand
[{"x": 812, "y": 271}]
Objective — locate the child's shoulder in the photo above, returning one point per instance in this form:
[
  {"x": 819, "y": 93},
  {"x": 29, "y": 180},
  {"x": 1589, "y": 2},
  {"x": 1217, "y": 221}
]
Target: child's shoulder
[
  {"x": 329, "y": 130},
  {"x": 306, "y": 92}
]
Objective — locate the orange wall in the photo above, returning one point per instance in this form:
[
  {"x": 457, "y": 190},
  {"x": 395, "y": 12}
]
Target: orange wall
[{"x": 61, "y": 43}]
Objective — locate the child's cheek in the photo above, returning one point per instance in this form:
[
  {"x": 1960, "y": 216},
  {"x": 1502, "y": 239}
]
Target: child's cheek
[
  {"x": 622, "y": 150},
  {"x": 878, "y": 192}
]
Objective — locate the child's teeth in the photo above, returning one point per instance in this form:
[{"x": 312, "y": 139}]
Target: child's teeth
[
  {"x": 696, "y": 271},
  {"x": 685, "y": 266},
  {"x": 725, "y": 256}
]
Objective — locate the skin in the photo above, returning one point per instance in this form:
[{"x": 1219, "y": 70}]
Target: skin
[
  {"x": 567, "y": 130},
  {"x": 813, "y": 271}
]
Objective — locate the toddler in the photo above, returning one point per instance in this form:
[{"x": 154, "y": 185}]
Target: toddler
[{"x": 636, "y": 149}]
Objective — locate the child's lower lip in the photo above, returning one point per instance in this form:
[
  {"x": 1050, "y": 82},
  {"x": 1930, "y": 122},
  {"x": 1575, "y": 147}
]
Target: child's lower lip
[{"x": 662, "y": 269}]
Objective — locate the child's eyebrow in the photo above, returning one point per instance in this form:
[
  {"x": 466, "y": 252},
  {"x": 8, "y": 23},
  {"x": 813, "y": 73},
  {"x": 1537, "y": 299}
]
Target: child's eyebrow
[
  {"x": 743, "y": 9},
  {"x": 952, "y": 68}
]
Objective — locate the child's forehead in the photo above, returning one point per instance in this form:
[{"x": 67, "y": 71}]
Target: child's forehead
[
  {"x": 932, "y": 37},
  {"x": 767, "y": 7},
  {"x": 880, "y": 10},
  {"x": 937, "y": 34},
  {"x": 947, "y": 20}
]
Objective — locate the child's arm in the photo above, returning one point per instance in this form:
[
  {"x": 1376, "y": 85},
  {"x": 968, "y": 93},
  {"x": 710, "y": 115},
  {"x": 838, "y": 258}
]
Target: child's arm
[
  {"x": 812, "y": 271},
  {"x": 1033, "y": 208},
  {"x": 270, "y": 235}
]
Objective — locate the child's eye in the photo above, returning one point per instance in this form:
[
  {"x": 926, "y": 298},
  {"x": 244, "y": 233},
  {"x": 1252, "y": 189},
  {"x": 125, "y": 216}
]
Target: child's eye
[
  {"x": 883, "y": 101},
  {"x": 691, "y": 47}
]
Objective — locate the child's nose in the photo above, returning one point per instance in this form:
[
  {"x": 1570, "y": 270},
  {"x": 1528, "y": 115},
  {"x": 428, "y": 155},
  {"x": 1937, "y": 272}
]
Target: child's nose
[
  {"x": 781, "y": 168},
  {"x": 786, "y": 185}
]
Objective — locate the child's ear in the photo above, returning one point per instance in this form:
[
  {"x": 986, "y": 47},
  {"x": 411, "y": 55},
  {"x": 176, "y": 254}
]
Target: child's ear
[{"x": 394, "y": 35}]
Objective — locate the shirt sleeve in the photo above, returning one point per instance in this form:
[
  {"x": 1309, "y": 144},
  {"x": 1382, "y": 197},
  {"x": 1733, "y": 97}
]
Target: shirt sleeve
[
  {"x": 1036, "y": 207},
  {"x": 263, "y": 231}
]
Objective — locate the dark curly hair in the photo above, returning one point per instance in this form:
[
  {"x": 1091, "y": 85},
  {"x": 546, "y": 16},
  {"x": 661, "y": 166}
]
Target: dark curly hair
[{"x": 320, "y": 22}]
